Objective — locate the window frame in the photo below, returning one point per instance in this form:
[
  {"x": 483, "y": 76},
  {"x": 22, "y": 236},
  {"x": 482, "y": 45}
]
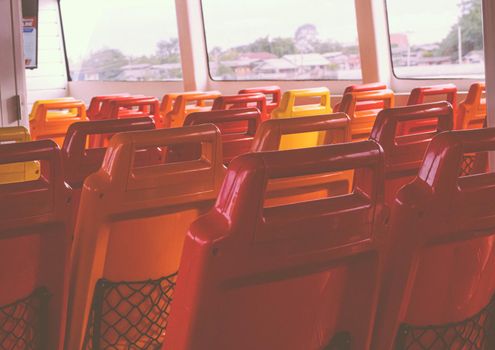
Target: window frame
[
  {"x": 67, "y": 64},
  {"x": 212, "y": 79},
  {"x": 463, "y": 82}
]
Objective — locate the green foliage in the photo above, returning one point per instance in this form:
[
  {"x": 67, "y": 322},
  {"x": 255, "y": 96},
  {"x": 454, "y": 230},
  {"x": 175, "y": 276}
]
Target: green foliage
[
  {"x": 224, "y": 71},
  {"x": 471, "y": 32},
  {"x": 278, "y": 46},
  {"x": 106, "y": 62},
  {"x": 167, "y": 51}
]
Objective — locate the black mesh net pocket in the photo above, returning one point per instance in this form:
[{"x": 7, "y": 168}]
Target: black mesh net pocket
[
  {"x": 23, "y": 323},
  {"x": 475, "y": 333},
  {"x": 467, "y": 165},
  {"x": 129, "y": 315}
]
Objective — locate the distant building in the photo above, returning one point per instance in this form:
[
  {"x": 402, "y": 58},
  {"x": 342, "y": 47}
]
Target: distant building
[
  {"x": 256, "y": 56},
  {"x": 399, "y": 40},
  {"x": 475, "y": 56},
  {"x": 309, "y": 60},
  {"x": 168, "y": 71},
  {"x": 341, "y": 61},
  {"x": 275, "y": 67}
]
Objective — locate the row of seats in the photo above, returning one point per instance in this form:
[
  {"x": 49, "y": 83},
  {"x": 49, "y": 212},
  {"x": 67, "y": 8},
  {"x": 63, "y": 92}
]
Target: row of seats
[
  {"x": 51, "y": 118},
  {"x": 248, "y": 264}
]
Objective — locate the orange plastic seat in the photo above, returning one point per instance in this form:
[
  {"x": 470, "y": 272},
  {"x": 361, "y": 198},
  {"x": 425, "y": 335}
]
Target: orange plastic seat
[
  {"x": 438, "y": 289},
  {"x": 18, "y": 172},
  {"x": 301, "y": 103},
  {"x": 234, "y": 143},
  {"x": 273, "y": 95},
  {"x": 282, "y": 191},
  {"x": 257, "y": 100},
  {"x": 131, "y": 225},
  {"x": 52, "y": 113},
  {"x": 35, "y": 247},
  {"x": 404, "y": 153},
  {"x": 96, "y": 104},
  {"x": 419, "y": 95},
  {"x": 51, "y": 119},
  {"x": 168, "y": 101},
  {"x": 188, "y": 103},
  {"x": 472, "y": 111},
  {"x": 299, "y": 276},
  {"x": 364, "y": 105},
  {"x": 362, "y": 120}
]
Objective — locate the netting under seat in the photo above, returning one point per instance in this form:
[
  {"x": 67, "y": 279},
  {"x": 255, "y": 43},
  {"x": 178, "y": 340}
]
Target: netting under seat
[
  {"x": 474, "y": 333},
  {"x": 23, "y": 322},
  {"x": 129, "y": 315}
]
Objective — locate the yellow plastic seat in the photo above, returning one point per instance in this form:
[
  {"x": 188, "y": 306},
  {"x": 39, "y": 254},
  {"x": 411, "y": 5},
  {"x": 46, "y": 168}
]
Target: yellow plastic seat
[
  {"x": 17, "y": 172},
  {"x": 301, "y": 103},
  {"x": 335, "y": 128}
]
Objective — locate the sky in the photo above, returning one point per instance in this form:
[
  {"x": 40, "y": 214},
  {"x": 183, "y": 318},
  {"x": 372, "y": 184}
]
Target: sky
[{"x": 135, "y": 26}]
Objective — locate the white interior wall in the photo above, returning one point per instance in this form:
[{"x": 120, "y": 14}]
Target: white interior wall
[{"x": 49, "y": 80}]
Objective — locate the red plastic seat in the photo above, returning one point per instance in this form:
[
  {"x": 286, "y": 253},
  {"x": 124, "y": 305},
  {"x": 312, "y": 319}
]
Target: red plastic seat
[
  {"x": 439, "y": 287},
  {"x": 365, "y": 105},
  {"x": 234, "y": 143},
  {"x": 419, "y": 95},
  {"x": 131, "y": 107},
  {"x": 404, "y": 153},
  {"x": 97, "y": 102},
  {"x": 80, "y": 161},
  {"x": 273, "y": 95},
  {"x": 299, "y": 276},
  {"x": 472, "y": 111},
  {"x": 35, "y": 245}
]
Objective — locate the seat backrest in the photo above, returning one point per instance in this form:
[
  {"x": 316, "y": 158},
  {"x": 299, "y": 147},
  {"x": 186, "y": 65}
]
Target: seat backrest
[
  {"x": 78, "y": 160},
  {"x": 37, "y": 103},
  {"x": 168, "y": 100},
  {"x": 364, "y": 105},
  {"x": 129, "y": 234},
  {"x": 438, "y": 283},
  {"x": 34, "y": 251},
  {"x": 17, "y": 172},
  {"x": 362, "y": 118},
  {"x": 336, "y": 129},
  {"x": 97, "y": 102},
  {"x": 51, "y": 119},
  {"x": 404, "y": 153},
  {"x": 418, "y": 96},
  {"x": 234, "y": 141},
  {"x": 301, "y": 103},
  {"x": 472, "y": 111},
  {"x": 257, "y": 100},
  {"x": 131, "y": 107},
  {"x": 273, "y": 95},
  {"x": 300, "y": 276},
  {"x": 189, "y": 103}
]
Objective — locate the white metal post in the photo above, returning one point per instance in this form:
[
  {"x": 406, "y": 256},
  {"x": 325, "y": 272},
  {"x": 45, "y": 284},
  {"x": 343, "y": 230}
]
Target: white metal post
[
  {"x": 374, "y": 46},
  {"x": 192, "y": 44}
]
